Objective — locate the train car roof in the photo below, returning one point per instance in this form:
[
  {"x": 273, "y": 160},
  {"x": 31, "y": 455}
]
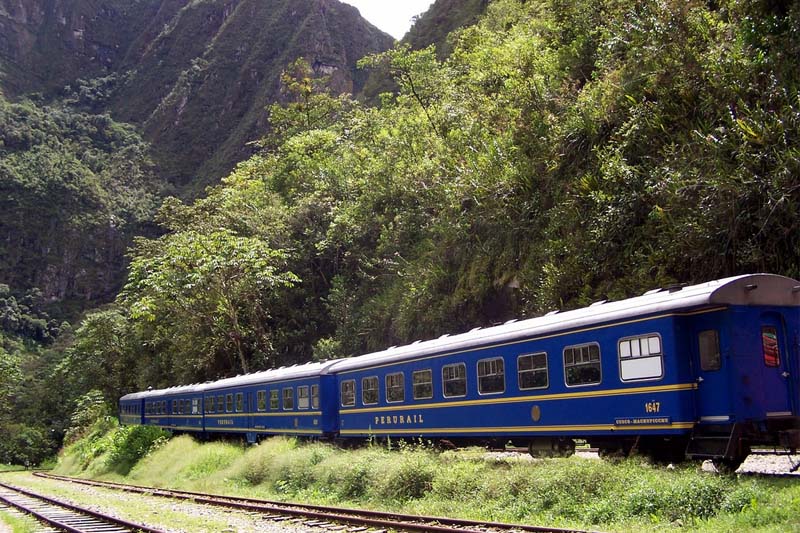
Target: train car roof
[
  {"x": 267, "y": 376},
  {"x": 754, "y": 289},
  {"x": 271, "y": 376}
]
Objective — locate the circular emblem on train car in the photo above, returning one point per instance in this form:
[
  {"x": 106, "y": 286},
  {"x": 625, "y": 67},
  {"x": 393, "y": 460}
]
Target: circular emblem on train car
[{"x": 536, "y": 413}]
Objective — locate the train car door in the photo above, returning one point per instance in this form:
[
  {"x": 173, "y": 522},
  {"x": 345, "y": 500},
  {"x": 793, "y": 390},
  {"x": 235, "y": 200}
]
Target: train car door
[
  {"x": 777, "y": 362},
  {"x": 711, "y": 365}
]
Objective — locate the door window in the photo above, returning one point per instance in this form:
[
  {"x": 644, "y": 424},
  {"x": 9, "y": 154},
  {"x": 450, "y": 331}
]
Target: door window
[{"x": 769, "y": 346}]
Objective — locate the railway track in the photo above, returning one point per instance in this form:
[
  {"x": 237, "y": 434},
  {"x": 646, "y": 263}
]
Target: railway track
[
  {"x": 325, "y": 517},
  {"x": 63, "y": 516}
]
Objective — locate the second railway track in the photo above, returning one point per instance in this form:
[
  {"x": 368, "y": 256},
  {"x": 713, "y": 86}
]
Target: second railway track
[
  {"x": 63, "y": 516},
  {"x": 325, "y": 517}
]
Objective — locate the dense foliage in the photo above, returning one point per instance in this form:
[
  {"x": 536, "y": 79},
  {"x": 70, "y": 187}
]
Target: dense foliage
[
  {"x": 556, "y": 157},
  {"x": 74, "y": 189},
  {"x": 31, "y": 414}
]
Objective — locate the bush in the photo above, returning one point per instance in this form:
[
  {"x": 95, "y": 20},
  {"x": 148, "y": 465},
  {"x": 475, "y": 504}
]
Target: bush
[
  {"x": 131, "y": 443},
  {"x": 25, "y": 445}
]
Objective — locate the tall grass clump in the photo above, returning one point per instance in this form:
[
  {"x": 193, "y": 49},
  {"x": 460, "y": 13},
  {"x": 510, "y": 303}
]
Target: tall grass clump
[
  {"x": 130, "y": 443},
  {"x": 351, "y": 475},
  {"x": 409, "y": 475}
]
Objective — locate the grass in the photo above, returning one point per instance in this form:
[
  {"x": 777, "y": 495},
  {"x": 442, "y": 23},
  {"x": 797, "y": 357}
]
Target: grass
[
  {"x": 19, "y": 523},
  {"x": 573, "y": 492}
]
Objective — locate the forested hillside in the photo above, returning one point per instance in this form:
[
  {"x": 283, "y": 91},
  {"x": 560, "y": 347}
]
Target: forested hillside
[
  {"x": 557, "y": 157},
  {"x": 562, "y": 153},
  {"x": 195, "y": 76},
  {"x": 74, "y": 190}
]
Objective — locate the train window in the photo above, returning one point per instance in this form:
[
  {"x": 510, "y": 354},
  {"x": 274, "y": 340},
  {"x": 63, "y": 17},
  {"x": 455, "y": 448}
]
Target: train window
[
  {"x": 641, "y": 358},
  {"x": 369, "y": 390},
  {"x": 209, "y": 404},
  {"x": 395, "y": 388},
  {"x": 239, "y": 402},
  {"x": 164, "y": 407},
  {"x": 315, "y": 396},
  {"x": 229, "y": 403},
  {"x": 454, "y": 379},
  {"x": 348, "y": 393},
  {"x": 302, "y": 397},
  {"x": 174, "y": 408},
  {"x": 220, "y": 404},
  {"x": 582, "y": 365},
  {"x": 532, "y": 371},
  {"x": 769, "y": 346},
  {"x": 710, "y": 358},
  {"x": 195, "y": 406},
  {"x": 273, "y": 400},
  {"x": 491, "y": 376},
  {"x": 261, "y": 400},
  {"x": 423, "y": 384},
  {"x": 288, "y": 399}
]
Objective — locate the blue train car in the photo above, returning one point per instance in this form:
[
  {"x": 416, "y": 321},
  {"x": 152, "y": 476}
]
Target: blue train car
[
  {"x": 706, "y": 370},
  {"x": 298, "y": 400},
  {"x": 131, "y": 409},
  {"x": 184, "y": 406}
]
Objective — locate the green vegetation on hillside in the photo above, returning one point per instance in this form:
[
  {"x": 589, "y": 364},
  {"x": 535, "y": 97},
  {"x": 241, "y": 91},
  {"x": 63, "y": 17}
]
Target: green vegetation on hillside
[
  {"x": 554, "y": 159},
  {"x": 629, "y": 495},
  {"x": 74, "y": 190}
]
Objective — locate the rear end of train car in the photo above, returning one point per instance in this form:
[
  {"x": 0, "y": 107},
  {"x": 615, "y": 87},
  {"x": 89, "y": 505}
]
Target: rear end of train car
[{"x": 745, "y": 356}]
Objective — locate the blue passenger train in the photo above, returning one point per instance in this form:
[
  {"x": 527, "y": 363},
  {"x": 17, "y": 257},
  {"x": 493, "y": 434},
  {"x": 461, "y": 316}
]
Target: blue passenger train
[{"x": 704, "y": 371}]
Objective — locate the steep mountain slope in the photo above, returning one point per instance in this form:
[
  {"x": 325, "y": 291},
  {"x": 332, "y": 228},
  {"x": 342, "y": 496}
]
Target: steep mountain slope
[
  {"x": 197, "y": 75},
  {"x": 443, "y": 17},
  {"x": 431, "y": 28},
  {"x": 212, "y": 73}
]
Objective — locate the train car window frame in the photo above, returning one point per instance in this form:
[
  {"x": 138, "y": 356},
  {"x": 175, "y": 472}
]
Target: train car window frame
[
  {"x": 396, "y": 390},
  {"x": 303, "y": 400},
  {"x": 315, "y": 396},
  {"x": 220, "y": 403},
  {"x": 347, "y": 393},
  {"x": 446, "y": 381},
  {"x": 209, "y": 404},
  {"x": 637, "y": 353},
  {"x": 239, "y": 402},
  {"x": 422, "y": 390},
  {"x": 586, "y": 362},
  {"x": 370, "y": 393},
  {"x": 261, "y": 401},
  {"x": 195, "y": 406},
  {"x": 174, "y": 406},
  {"x": 229, "y": 402},
  {"x": 770, "y": 347},
  {"x": 288, "y": 399},
  {"x": 533, "y": 371},
  {"x": 708, "y": 348},
  {"x": 491, "y": 376},
  {"x": 274, "y": 400}
]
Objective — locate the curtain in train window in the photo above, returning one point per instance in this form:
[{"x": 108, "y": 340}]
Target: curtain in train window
[{"x": 769, "y": 346}]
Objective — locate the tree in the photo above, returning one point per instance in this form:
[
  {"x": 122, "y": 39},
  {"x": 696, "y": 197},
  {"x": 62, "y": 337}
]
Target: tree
[{"x": 205, "y": 299}]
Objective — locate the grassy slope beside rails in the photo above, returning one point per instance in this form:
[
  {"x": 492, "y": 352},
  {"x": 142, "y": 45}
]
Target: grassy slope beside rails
[{"x": 588, "y": 493}]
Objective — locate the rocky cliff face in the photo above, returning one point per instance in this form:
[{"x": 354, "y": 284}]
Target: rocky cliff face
[{"x": 197, "y": 75}]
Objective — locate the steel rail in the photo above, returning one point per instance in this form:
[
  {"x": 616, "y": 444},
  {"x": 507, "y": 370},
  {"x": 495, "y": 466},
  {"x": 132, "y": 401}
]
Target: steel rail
[
  {"x": 66, "y": 516},
  {"x": 357, "y": 517}
]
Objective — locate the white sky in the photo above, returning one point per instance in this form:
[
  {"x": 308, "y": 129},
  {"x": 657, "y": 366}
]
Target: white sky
[{"x": 392, "y": 16}]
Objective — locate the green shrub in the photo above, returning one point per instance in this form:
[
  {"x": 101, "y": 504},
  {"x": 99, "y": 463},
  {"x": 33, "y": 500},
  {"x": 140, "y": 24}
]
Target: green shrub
[
  {"x": 410, "y": 476},
  {"x": 131, "y": 443}
]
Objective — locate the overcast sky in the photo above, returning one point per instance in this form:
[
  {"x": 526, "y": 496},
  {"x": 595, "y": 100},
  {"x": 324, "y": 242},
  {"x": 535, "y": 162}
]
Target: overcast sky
[{"x": 392, "y": 16}]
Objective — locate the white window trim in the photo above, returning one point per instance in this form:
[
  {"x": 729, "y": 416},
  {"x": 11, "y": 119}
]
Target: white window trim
[
  {"x": 466, "y": 384},
  {"x": 640, "y": 357},
  {"x": 478, "y": 373},
  {"x": 599, "y": 360},
  {"x": 546, "y": 371}
]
